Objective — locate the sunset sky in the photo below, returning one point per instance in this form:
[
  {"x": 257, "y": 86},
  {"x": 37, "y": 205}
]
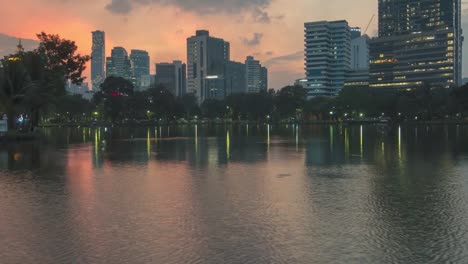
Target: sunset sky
[{"x": 271, "y": 30}]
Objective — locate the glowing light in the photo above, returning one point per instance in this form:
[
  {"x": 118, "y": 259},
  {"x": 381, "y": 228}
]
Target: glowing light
[
  {"x": 361, "y": 142},
  {"x": 399, "y": 142},
  {"x": 228, "y": 145},
  {"x": 148, "y": 143}
]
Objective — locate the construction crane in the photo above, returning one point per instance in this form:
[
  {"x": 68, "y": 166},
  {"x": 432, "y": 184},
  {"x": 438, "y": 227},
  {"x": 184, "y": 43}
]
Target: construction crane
[{"x": 368, "y": 25}]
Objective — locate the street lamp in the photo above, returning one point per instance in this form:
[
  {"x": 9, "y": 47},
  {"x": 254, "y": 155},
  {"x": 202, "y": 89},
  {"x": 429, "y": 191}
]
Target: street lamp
[{"x": 361, "y": 115}]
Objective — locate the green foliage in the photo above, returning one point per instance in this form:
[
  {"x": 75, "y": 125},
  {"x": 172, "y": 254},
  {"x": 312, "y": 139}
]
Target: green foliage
[
  {"x": 251, "y": 106},
  {"x": 290, "y": 100},
  {"x": 213, "y": 108},
  {"x": 114, "y": 95},
  {"x": 34, "y": 80}
]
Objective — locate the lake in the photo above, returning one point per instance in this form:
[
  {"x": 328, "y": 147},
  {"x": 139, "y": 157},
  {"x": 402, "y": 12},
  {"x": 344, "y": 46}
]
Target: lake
[{"x": 237, "y": 194}]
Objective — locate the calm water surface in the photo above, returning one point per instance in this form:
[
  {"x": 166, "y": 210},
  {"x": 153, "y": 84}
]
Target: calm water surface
[{"x": 237, "y": 194}]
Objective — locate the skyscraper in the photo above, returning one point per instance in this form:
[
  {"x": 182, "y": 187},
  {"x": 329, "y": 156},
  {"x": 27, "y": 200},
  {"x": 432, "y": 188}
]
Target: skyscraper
[
  {"x": 140, "y": 62},
  {"x": 206, "y": 59},
  {"x": 419, "y": 42},
  {"x": 98, "y": 57},
  {"x": 235, "y": 77},
  {"x": 327, "y": 56},
  {"x": 118, "y": 64},
  {"x": 172, "y": 76},
  {"x": 253, "y": 74}
]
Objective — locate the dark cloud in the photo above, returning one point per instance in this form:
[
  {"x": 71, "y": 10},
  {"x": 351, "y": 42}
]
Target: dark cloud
[
  {"x": 201, "y": 7},
  {"x": 254, "y": 41},
  {"x": 119, "y": 6},
  {"x": 8, "y": 44},
  {"x": 285, "y": 58},
  {"x": 261, "y": 16}
]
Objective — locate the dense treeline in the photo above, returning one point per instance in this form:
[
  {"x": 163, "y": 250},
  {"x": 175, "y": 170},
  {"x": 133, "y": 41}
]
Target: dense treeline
[
  {"x": 117, "y": 102},
  {"x": 32, "y": 82},
  {"x": 32, "y": 88}
]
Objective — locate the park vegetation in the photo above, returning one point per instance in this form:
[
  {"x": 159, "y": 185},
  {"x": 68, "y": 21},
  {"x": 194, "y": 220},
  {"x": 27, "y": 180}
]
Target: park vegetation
[{"x": 32, "y": 84}]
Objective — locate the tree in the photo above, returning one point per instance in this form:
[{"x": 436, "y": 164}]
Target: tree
[
  {"x": 73, "y": 107},
  {"x": 188, "y": 104},
  {"x": 60, "y": 62},
  {"x": 318, "y": 107},
  {"x": 162, "y": 102},
  {"x": 212, "y": 108},
  {"x": 32, "y": 80},
  {"x": 290, "y": 100},
  {"x": 113, "y": 95}
]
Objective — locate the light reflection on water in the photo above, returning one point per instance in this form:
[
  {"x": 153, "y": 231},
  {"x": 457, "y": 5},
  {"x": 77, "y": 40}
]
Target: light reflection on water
[{"x": 237, "y": 194}]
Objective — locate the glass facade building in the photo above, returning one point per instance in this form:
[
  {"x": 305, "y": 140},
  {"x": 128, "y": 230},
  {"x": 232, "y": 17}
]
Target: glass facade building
[
  {"x": 118, "y": 64},
  {"x": 420, "y": 41}
]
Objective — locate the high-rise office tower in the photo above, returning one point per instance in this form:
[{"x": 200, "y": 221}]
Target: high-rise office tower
[
  {"x": 140, "y": 62},
  {"x": 420, "y": 41},
  {"x": 118, "y": 64},
  {"x": 235, "y": 78},
  {"x": 327, "y": 56},
  {"x": 206, "y": 60},
  {"x": 172, "y": 76},
  {"x": 98, "y": 58}
]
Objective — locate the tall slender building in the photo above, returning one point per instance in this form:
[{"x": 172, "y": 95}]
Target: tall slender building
[
  {"x": 327, "y": 56},
  {"x": 206, "y": 60},
  {"x": 420, "y": 41},
  {"x": 98, "y": 58}
]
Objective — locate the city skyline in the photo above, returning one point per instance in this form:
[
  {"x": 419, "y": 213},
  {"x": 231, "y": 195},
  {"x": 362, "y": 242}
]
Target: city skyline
[{"x": 271, "y": 31}]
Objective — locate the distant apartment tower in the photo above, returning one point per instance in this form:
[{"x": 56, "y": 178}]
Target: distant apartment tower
[
  {"x": 172, "y": 76},
  {"x": 235, "y": 78},
  {"x": 206, "y": 60},
  {"x": 359, "y": 51},
  {"x": 327, "y": 56},
  {"x": 98, "y": 58},
  {"x": 419, "y": 42},
  {"x": 254, "y": 74},
  {"x": 118, "y": 64}
]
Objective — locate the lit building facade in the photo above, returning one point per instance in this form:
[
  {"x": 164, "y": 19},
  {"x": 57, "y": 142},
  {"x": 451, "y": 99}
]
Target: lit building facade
[
  {"x": 419, "y": 42},
  {"x": 118, "y": 64},
  {"x": 206, "y": 57},
  {"x": 98, "y": 58},
  {"x": 327, "y": 56},
  {"x": 253, "y": 75},
  {"x": 140, "y": 62}
]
